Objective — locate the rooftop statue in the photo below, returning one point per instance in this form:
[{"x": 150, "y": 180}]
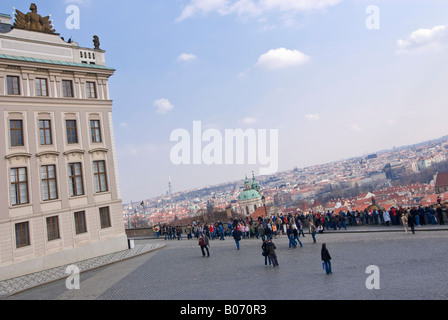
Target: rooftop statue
[
  {"x": 96, "y": 42},
  {"x": 33, "y": 21}
]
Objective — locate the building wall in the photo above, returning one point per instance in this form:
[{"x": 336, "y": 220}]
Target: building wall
[{"x": 69, "y": 247}]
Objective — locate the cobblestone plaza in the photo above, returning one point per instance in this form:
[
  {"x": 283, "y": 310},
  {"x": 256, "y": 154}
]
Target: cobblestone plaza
[{"x": 411, "y": 266}]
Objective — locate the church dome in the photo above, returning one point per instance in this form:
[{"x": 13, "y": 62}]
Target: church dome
[
  {"x": 251, "y": 190},
  {"x": 249, "y": 194}
]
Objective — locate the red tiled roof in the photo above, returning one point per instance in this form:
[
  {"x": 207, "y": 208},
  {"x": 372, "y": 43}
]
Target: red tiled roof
[
  {"x": 260, "y": 212},
  {"x": 442, "y": 179}
]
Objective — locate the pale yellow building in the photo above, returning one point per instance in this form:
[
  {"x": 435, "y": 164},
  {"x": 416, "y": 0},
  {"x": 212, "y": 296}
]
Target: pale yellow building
[{"x": 59, "y": 191}]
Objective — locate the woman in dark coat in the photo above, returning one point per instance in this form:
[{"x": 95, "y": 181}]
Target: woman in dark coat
[{"x": 326, "y": 258}]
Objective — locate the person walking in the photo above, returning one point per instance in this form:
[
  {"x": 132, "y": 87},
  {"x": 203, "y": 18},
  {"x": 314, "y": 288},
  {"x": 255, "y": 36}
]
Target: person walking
[
  {"x": 326, "y": 258},
  {"x": 439, "y": 211},
  {"x": 204, "y": 243},
  {"x": 295, "y": 233},
  {"x": 261, "y": 232},
  {"x": 265, "y": 253},
  {"x": 272, "y": 254},
  {"x": 411, "y": 222},
  {"x": 301, "y": 229},
  {"x": 290, "y": 235},
  {"x": 313, "y": 231},
  {"x": 237, "y": 237},
  {"x": 404, "y": 220}
]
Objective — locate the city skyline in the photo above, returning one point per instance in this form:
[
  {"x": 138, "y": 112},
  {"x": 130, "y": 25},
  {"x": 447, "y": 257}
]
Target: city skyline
[{"x": 333, "y": 87}]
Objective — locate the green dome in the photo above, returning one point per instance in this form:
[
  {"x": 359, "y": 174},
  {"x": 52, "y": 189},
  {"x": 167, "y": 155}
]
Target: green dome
[{"x": 249, "y": 194}]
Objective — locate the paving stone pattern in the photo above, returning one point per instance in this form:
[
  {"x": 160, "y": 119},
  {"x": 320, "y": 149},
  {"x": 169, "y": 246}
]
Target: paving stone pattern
[{"x": 412, "y": 267}]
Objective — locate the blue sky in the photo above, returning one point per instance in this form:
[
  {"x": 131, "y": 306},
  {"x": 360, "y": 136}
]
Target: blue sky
[{"x": 312, "y": 70}]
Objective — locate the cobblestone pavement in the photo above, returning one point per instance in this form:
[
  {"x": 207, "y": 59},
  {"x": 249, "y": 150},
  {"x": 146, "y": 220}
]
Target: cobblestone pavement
[
  {"x": 411, "y": 267},
  {"x": 16, "y": 285}
]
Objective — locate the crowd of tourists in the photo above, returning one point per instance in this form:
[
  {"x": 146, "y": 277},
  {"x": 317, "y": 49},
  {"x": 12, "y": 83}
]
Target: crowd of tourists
[
  {"x": 275, "y": 226},
  {"x": 295, "y": 225}
]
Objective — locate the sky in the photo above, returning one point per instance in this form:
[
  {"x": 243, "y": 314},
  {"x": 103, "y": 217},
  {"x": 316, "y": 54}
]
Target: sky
[{"x": 312, "y": 81}]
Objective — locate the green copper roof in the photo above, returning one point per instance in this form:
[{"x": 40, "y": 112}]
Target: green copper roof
[
  {"x": 62, "y": 63},
  {"x": 249, "y": 194}
]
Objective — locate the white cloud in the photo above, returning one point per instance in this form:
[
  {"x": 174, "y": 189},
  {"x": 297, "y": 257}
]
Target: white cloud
[
  {"x": 80, "y": 2},
  {"x": 186, "y": 57},
  {"x": 252, "y": 8},
  {"x": 391, "y": 122},
  {"x": 423, "y": 39},
  {"x": 312, "y": 117},
  {"x": 249, "y": 120},
  {"x": 124, "y": 125},
  {"x": 281, "y": 58},
  {"x": 163, "y": 106}
]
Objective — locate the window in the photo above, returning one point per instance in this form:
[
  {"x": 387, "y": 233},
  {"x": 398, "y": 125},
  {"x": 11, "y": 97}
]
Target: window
[
  {"x": 67, "y": 88},
  {"x": 41, "y": 87},
  {"x": 22, "y": 234},
  {"x": 95, "y": 130},
  {"x": 53, "y": 228},
  {"x": 19, "y": 186},
  {"x": 49, "y": 185},
  {"x": 105, "y": 218},
  {"x": 45, "y": 132},
  {"x": 16, "y": 131},
  {"x": 72, "y": 132},
  {"x": 80, "y": 222},
  {"x": 99, "y": 171},
  {"x": 75, "y": 179},
  {"x": 90, "y": 90},
  {"x": 13, "y": 85}
]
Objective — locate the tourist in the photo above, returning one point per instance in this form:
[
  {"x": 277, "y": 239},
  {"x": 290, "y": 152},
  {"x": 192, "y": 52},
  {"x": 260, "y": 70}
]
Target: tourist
[
  {"x": 411, "y": 222},
  {"x": 189, "y": 231},
  {"x": 290, "y": 235},
  {"x": 295, "y": 232},
  {"x": 440, "y": 214},
  {"x": 326, "y": 258},
  {"x": 301, "y": 229},
  {"x": 386, "y": 218},
  {"x": 272, "y": 255},
  {"x": 268, "y": 231},
  {"x": 204, "y": 243},
  {"x": 237, "y": 237},
  {"x": 265, "y": 253},
  {"x": 221, "y": 232},
  {"x": 313, "y": 231},
  {"x": 261, "y": 231},
  {"x": 404, "y": 220}
]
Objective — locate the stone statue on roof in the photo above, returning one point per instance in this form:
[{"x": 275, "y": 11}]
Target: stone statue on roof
[
  {"x": 96, "y": 42},
  {"x": 33, "y": 21}
]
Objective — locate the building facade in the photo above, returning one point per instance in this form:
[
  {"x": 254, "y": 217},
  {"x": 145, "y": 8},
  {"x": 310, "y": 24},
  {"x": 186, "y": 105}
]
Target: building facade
[
  {"x": 59, "y": 191},
  {"x": 250, "y": 199}
]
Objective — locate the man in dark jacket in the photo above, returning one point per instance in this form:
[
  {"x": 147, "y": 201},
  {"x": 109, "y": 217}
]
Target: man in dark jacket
[
  {"x": 237, "y": 236},
  {"x": 326, "y": 258},
  {"x": 439, "y": 211}
]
